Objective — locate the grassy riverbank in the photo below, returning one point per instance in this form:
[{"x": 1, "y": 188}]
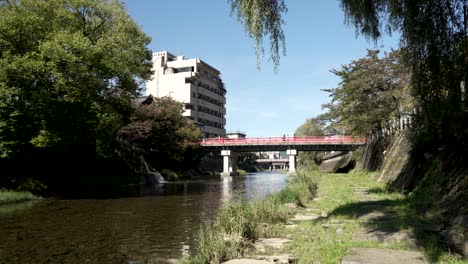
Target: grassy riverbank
[
  {"x": 350, "y": 211},
  {"x": 386, "y": 220},
  {"x": 9, "y": 196},
  {"x": 238, "y": 224}
]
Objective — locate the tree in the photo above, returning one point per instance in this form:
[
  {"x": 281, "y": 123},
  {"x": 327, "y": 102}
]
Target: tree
[
  {"x": 433, "y": 40},
  {"x": 263, "y": 18},
  {"x": 68, "y": 72},
  {"x": 311, "y": 127},
  {"x": 435, "y": 43},
  {"x": 372, "y": 92},
  {"x": 161, "y": 135}
]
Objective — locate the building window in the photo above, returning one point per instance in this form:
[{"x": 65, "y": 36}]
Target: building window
[{"x": 184, "y": 69}]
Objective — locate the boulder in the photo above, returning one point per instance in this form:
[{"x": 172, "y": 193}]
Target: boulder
[{"x": 337, "y": 162}]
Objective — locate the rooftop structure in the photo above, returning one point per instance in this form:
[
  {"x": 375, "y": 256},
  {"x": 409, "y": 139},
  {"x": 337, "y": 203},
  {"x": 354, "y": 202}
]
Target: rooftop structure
[{"x": 236, "y": 134}]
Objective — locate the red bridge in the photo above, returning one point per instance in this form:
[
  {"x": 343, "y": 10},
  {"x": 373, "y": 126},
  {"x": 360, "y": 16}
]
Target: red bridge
[
  {"x": 227, "y": 147},
  {"x": 316, "y": 143}
]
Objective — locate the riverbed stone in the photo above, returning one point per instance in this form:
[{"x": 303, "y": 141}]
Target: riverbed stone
[
  {"x": 383, "y": 256},
  {"x": 281, "y": 258},
  {"x": 291, "y": 205},
  {"x": 336, "y": 221},
  {"x": 290, "y": 226},
  {"x": 340, "y": 231}
]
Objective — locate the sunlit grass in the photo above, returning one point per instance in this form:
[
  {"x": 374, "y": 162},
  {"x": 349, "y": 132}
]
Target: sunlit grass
[{"x": 9, "y": 196}]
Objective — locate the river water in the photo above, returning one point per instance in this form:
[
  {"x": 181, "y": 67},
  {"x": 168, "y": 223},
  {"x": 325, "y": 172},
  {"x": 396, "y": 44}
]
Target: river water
[{"x": 152, "y": 228}]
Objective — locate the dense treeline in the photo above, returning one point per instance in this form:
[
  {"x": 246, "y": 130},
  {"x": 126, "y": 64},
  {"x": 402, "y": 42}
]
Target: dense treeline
[{"x": 70, "y": 72}]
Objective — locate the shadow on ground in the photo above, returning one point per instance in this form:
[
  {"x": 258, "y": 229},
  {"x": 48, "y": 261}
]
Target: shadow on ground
[{"x": 390, "y": 220}]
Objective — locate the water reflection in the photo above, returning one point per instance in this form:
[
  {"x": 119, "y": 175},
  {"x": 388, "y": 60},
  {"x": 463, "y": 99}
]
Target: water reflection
[{"x": 149, "y": 229}]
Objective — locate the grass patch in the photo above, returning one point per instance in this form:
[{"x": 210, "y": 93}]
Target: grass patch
[
  {"x": 242, "y": 172},
  {"x": 239, "y": 224},
  {"x": 9, "y": 196}
]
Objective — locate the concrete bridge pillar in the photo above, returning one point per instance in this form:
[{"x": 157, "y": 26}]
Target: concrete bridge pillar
[
  {"x": 292, "y": 153},
  {"x": 229, "y": 163}
]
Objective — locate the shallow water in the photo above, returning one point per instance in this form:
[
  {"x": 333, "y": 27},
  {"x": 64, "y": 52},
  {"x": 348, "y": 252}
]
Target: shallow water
[{"x": 152, "y": 228}]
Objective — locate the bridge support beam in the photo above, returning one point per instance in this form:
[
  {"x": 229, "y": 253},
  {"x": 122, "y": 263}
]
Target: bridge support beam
[
  {"x": 229, "y": 163},
  {"x": 292, "y": 153}
]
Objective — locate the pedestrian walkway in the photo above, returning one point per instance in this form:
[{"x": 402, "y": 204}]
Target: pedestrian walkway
[{"x": 379, "y": 224}]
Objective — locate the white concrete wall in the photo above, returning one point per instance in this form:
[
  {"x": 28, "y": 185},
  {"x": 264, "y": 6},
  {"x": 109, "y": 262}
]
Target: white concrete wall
[{"x": 164, "y": 83}]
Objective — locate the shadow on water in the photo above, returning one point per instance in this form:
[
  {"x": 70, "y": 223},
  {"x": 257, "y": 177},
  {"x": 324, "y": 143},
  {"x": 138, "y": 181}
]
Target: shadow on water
[
  {"x": 10, "y": 208},
  {"x": 155, "y": 224}
]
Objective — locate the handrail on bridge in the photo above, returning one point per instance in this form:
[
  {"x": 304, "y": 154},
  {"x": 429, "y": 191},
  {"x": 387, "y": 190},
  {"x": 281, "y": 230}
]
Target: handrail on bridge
[{"x": 285, "y": 140}]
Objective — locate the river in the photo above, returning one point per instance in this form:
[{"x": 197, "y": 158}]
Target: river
[{"x": 152, "y": 228}]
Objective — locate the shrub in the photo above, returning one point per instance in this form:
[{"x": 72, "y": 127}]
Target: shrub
[
  {"x": 238, "y": 223},
  {"x": 169, "y": 175},
  {"x": 241, "y": 172},
  {"x": 301, "y": 189},
  {"x": 30, "y": 185}
]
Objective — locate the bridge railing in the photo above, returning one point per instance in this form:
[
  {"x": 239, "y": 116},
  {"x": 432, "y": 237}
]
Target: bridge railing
[{"x": 285, "y": 140}]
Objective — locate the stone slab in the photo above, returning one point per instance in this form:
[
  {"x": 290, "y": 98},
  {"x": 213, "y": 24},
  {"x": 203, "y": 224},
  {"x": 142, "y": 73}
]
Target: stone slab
[
  {"x": 383, "y": 256},
  {"x": 283, "y": 258},
  {"x": 332, "y": 225},
  {"x": 274, "y": 243},
  {"x": 247, "y": 261},
  {"x": 305, "y": 217},
  {"x": 386, "y": 236}
]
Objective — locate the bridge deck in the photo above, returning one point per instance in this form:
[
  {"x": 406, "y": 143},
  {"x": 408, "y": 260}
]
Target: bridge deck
[{"x": 318, "y": 143}]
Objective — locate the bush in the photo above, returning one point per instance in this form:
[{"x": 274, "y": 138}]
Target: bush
[
  {"x": 169, "y": 175},
  {"x": 210, "y": 245},
  {"x": 241, "y": 172},
  {"x": 301, "y": 189},
  {"x": 30, "y": 185},
  {"x": 269, "y": 210}
]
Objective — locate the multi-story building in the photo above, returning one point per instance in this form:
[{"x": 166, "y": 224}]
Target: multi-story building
[{"x": 196, "y": 84}]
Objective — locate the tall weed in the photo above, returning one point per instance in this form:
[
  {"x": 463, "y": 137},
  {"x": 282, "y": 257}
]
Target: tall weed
[{"x": 238, "y": 223}]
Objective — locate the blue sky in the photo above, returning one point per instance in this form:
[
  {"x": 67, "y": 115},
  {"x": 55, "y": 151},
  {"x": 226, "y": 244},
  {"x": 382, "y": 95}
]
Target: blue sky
[{"x": 260, "y": 103}]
